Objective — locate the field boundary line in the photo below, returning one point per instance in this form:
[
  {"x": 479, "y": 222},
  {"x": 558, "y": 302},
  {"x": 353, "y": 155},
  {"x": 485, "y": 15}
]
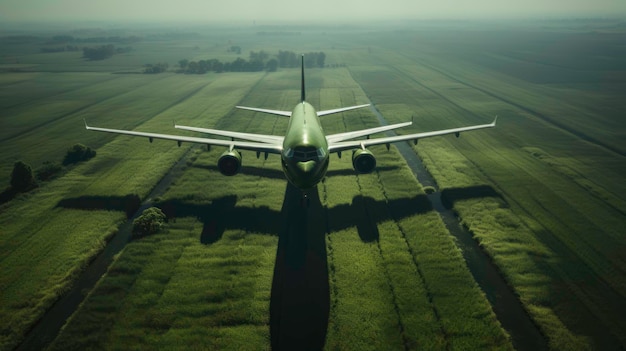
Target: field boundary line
[{"x": 526, "y": 109}]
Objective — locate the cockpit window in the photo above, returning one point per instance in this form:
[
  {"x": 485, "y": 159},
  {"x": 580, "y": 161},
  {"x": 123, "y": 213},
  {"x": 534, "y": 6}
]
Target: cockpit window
[{"x": 305, "y": 153}]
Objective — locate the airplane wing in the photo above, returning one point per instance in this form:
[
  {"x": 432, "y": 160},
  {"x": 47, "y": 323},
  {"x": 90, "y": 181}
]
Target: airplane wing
[
  {"x": 334, "y": 138},
  {"x": 337, "y": 110},
  {"x": 347, "y": 145},
  {"x": 261, "y": 138},
  {"x": 273, "y": 148},
  {"x": 272, "y": 112}
]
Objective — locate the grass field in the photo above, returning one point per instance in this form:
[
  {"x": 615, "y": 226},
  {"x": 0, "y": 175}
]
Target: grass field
[
  {"x": 556, "y": 165},
  {"x": 376, "y": 267}
]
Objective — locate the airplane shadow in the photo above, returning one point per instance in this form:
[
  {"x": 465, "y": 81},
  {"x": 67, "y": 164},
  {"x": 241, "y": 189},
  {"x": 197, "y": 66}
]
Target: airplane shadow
[
  {"x": 300, "y": 295},
  {"x": 273, "y": 173}
]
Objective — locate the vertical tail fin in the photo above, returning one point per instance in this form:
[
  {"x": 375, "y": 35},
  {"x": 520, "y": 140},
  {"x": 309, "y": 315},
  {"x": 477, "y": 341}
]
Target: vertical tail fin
[{"x": 302, "y": 93}]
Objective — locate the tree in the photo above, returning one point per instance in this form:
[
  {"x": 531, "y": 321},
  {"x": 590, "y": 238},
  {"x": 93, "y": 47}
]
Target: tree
[
  {"x": 321, "y": 58},
  {"x": 22, "y": 178},
  {"x": 238, "y": 65},
  {"x": 183, "y": 63},
  {"x": 151, "y": 221},
  {"x": 155, "y": 68},
  {"x": 99, "y": 53},
  {"x": 48, "y": 171},
  {"x": 272, "y": 65},
  {"x": 78, "y": 153}
]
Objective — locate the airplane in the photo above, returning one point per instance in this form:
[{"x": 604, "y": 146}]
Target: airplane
[{"x": 305, "y": 148}]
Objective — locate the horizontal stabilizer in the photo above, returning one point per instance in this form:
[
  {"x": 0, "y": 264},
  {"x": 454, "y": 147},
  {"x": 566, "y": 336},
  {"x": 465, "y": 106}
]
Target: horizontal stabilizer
[
  {"x": 364, "y": 132},
  {"x": 261, "y": 138},
  {"x": 271, "y": 112},
  {"x": 337, "y": 110}
]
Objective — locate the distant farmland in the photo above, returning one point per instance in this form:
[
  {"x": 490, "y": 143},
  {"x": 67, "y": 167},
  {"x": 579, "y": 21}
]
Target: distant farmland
[{"x": 372, "y": 264}]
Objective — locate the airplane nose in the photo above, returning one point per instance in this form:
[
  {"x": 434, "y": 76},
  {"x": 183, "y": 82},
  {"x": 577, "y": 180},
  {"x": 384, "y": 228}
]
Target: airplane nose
[{"x": 306, "y": 167}]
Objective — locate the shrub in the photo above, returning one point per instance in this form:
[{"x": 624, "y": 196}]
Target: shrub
[
  {"x": 22, "y": 178},
  {"x": 429, "y": 189},
  {"x": 78, "y": 153},
  {"x": 48, "y": 171},
  {"x": 151, "y": 221}
]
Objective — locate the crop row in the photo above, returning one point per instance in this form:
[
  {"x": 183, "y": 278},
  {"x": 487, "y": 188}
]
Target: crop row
[
  {"x": 554, "y": 231},
  {"x": 394, "y": 280}
]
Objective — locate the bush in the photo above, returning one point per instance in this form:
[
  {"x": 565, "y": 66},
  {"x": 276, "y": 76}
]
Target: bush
[
  {"x": 48, "y": 171},
  {"x": 151, "y": 221},
  {"x": 78, "y": 153},
  {"x": 22, "y": 178}
]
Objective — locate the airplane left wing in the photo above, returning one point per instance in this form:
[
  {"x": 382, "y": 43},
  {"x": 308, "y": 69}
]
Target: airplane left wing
[
  {"x": 361, "y": 144},
  {"x": 272, "y": 148}
]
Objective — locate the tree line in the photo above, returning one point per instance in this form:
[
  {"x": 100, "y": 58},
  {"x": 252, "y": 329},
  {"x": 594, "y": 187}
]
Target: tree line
[
  {"x": 258, "y": 61},
  {"x": 103, "y": 52},
  {"x": 24, "y": 179},
  {"x": 60, "y": 49},
  {"x": 110, "y": 39}
]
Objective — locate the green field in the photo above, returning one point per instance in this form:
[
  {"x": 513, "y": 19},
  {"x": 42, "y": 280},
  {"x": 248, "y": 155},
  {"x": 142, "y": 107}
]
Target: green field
[{"x": 370, "y": 263}]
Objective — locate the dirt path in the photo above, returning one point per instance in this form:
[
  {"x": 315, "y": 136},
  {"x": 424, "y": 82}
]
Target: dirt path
[
  {"x": 507, "y": 307},
  {"x": 47, "y": 328}
]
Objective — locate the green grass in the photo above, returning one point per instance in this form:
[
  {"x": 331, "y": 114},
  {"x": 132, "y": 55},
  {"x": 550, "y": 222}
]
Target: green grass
[
  {"x": 45, "y": 245},
  {"x": 396, "y": 276},
  {"x": 437, "y": 305},
  {"x": 382, "y": 294},
  {"x": 170, "y": 289},
  {"x": 556, "y": 236}
]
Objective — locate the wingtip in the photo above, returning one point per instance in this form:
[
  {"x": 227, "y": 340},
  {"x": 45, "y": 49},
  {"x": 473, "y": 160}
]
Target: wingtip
[
  {"x": 86, "y": 126},
  {"x": 494, "y": 121}
]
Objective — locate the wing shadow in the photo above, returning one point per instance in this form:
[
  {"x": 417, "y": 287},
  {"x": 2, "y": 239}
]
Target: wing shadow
[
  {"x": 451, "y": 195},
  {"x": 221, "y": 214},
  {"x": 128, "y": 204}
]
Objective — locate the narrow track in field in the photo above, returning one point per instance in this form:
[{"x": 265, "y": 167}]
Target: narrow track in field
[
  {"x": 506, "y": 305},
  {"x": 47, "y": 328}
]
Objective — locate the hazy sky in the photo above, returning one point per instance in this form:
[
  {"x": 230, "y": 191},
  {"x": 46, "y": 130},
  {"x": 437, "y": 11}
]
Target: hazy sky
[{"x": 267, "y": 11}]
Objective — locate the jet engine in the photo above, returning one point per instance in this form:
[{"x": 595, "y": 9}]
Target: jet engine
[
  {"x": 229, "y": 162},
  {"x": 363, "y": 161}
]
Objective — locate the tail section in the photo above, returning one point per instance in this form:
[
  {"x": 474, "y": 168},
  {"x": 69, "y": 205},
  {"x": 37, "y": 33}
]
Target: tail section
[
  {"x": 302, "y": 91},
  {"x": 302, "y": 99}
]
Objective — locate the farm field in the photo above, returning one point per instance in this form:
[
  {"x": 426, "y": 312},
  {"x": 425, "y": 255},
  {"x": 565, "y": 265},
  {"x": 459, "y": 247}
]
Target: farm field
[
  {"x": 370, "y": 264},
  {"x": 366, "y": 266},
  {"x": 561, "y": 179}
]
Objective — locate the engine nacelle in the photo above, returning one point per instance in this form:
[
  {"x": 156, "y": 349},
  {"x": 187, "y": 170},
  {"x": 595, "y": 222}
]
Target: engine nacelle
[
  {"x": 229, "y": 162},
  {"x": 363, "y": 161}
]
